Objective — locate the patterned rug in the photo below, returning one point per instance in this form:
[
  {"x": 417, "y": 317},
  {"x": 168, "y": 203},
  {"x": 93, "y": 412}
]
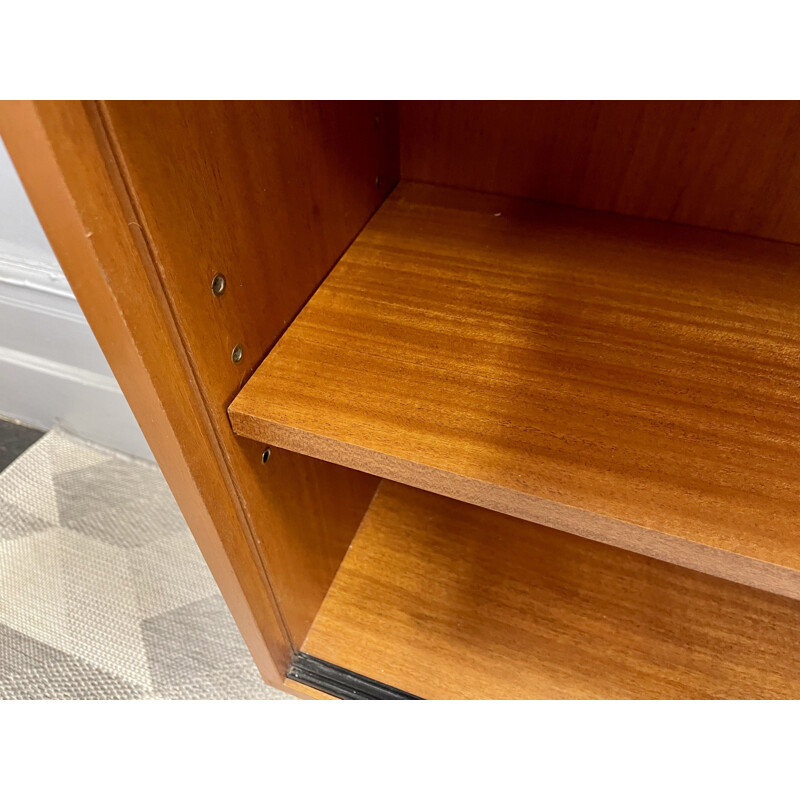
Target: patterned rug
[{"x": 103, "y": 591}]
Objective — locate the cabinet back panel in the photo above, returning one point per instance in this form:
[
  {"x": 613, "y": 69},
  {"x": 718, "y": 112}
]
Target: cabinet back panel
[
  {"x": 270, "y": 194},
  {"x": 729, "y": 165}
]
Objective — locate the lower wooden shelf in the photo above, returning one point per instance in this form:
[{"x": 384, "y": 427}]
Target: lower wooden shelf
[{"x": 447, "y": 600}]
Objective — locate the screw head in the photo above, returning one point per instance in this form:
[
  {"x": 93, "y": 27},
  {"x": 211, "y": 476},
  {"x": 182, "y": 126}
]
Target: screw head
[
  {"x": 236, "y": 354},
  {"x": 378, "y": 182},
  {"x": 218, "y": 284},
  {"x": 265, "y": 455}
]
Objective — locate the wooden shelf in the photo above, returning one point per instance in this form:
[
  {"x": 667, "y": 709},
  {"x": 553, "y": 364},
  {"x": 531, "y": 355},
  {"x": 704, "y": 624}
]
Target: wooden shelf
[
  {"x": 447, "y": 600},
  {"x": 633, "y": 382}
]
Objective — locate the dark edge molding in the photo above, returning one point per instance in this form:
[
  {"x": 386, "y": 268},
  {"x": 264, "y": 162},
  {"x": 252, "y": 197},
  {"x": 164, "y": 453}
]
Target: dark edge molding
[{"x": 339, "y": 682}]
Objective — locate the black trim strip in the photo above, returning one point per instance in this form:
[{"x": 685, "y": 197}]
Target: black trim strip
[{"x": 341, "y": 682}]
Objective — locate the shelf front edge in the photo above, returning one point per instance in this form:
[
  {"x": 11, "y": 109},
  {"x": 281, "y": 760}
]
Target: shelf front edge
[{"x": 720, "y": 563}]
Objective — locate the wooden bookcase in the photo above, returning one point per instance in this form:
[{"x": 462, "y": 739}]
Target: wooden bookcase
[{"x": 460, "y": 399}]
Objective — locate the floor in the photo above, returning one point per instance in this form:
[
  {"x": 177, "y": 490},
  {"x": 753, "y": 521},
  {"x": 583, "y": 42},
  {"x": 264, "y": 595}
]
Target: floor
[
  {"x": 14, "y": 439},
  {"x": 103, "y": 592}
]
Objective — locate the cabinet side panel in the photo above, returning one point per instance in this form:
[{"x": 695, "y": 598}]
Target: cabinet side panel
[
  {"x": 65, "y": 172},
  {"x": 728, "y": 165},
  {"x": 268, "y": 194}
]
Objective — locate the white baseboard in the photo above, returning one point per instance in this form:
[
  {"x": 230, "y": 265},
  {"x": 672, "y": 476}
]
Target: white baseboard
[{"x": 52, "y": 370}]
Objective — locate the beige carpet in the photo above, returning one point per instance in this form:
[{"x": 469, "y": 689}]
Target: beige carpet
[{"x": 103, "y": 592}]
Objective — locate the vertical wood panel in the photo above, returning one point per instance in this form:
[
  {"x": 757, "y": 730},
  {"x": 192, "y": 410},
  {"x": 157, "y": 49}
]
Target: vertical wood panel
[
  {"x": 65, "y": 172},
  {"x": 729, "y": 165},
  {"x": 269, "y": 194}
]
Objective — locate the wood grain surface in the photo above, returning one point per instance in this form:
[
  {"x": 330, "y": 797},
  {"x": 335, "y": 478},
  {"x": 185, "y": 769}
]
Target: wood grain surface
[
  {"x": 446, "y": 600},
  {"x": 269, "y": 194},
  {"x": 630, "y": 381},
  {"x": 303, "y": 692},
  {"x": 730, "y": 165},
  {"x": 59, "y": 155}
]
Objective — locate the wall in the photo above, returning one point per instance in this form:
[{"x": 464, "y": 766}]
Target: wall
[{"x": 52, "y": 370}]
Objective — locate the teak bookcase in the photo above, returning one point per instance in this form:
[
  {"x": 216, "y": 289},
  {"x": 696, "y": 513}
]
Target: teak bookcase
[{"x": 460, "y": 399}]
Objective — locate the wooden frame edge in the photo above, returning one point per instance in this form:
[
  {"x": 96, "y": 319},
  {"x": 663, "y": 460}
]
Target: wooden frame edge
[{"x": 55, "y": 150}]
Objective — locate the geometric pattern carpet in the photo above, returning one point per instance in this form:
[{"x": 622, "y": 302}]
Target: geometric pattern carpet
[{"x": 103, "y": 592}]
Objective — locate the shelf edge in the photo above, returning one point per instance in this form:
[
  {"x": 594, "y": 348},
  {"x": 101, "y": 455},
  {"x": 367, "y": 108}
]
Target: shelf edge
[
  {"x": 339, "y": 682},
  {"x": 725, "y": 564}
]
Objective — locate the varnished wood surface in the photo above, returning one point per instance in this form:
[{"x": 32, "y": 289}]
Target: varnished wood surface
[
  {"x": 304, "y": 692},
  {"x": 59, "y": 156},
  {"x": 633, "y": 382},
  {"x": 269, "y": 194},
  {"x": 446, "y": 600},
  {"x": 730, "y": 165}
]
